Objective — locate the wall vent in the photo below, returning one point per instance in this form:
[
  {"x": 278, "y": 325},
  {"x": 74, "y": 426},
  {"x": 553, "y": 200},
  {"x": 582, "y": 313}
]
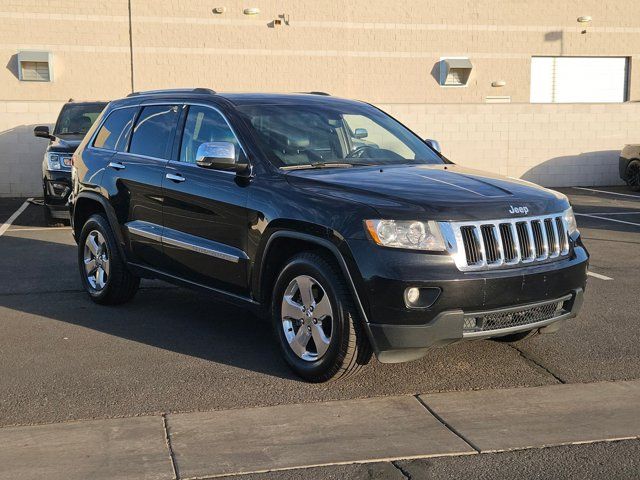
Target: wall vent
[
  {"x": 35, "y": 66},
  {"x": 455, "y": 72}
]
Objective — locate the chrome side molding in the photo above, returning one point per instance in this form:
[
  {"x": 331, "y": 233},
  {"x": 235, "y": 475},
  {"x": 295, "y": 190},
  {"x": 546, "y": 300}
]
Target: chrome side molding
[{"x": 185, "y": 241}]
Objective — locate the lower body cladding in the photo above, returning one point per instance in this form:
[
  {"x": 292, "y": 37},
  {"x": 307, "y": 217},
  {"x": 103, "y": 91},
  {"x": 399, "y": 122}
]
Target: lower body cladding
[
  {"x": 463, "y": 305},
  {"x": 57, "y": 187}
]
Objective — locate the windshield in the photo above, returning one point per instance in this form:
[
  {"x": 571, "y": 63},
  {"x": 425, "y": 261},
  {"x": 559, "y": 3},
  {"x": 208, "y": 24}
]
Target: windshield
[
  {"x": 77, "y": 119},
  {"x": 299, "y": 136}
]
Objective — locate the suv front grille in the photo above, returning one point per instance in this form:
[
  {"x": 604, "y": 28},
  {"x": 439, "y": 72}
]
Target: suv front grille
[
  {"x": 516, "y": 317},
  {"x": 508, "y": 242}
]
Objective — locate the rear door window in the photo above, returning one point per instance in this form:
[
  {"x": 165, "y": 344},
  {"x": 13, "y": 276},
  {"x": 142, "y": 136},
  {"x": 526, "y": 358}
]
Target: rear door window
[
  {"x": 154, "y": 131},
  {"x": 115, "y": 131}
]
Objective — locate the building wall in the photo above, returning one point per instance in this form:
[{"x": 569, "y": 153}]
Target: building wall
[
  {"x": 553, "y": 145},
  {"x": 374, "y": 50}
]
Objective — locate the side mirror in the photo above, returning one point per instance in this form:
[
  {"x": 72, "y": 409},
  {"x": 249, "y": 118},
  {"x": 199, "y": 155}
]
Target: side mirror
[
  {"x": 434, "y": 144},
  {"x": 42, "y": 131},
  {"x": 218, "y": 156},
  {"x": 361, "y": 133}
]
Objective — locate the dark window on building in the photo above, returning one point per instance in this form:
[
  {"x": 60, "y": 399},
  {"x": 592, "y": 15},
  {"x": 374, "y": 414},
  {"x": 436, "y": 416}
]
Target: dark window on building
[
  {"x": 154, "y": 131},
  {"x": 114, "y": 132}
]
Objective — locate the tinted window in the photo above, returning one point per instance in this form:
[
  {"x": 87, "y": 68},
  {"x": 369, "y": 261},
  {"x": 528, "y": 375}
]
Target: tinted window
[
  {"x": 154, "y": 131},
  {"x": 114, "y": 132},
  {"x": 338, "y": 133},
  {"x": 204, "y": 125},
  {"x": 76, "y": 119}
]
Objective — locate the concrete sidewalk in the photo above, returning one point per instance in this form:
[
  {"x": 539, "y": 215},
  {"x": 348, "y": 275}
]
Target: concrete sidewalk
[{"x": 209, "y": 444}]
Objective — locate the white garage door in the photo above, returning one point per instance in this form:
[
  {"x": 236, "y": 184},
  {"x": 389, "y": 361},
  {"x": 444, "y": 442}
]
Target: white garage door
[{"x": 578, "y": 79}]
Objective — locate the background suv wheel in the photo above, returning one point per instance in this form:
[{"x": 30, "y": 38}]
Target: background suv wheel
[
  {"x": 103, "y": 271},
  {"x": 315, "y": 320},
  {"x": 633, "y": 175}
]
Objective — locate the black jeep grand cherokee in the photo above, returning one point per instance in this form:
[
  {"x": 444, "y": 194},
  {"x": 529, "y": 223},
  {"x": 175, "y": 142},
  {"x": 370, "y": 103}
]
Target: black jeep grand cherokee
[
  {"x": 352, "y": 233},
  {"x": 74, "y": 121}
]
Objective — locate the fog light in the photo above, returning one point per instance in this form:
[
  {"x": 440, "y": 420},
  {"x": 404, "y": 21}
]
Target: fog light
[
  {"x": 425, "y": 297},
  {"x": 412, "y": 295}
]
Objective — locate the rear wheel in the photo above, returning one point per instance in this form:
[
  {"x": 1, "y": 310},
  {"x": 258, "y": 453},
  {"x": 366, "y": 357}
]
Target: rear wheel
[
  {"x": 315, "y": 320},
  {"x": 633, "y": 175},
  {"x": 103, "y": 271}
]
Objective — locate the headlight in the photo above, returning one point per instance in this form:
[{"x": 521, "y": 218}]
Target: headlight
[
  {"x": 415, "y": 235},
  {"x": 570, "y": 220},
  {"x": 56, "y": 161}
]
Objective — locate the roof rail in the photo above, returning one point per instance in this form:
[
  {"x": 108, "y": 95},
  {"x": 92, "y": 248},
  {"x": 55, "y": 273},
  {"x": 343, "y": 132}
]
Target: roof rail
[
  {"x": 206, "y": 91},
  {"x": 318, "y": 93}
]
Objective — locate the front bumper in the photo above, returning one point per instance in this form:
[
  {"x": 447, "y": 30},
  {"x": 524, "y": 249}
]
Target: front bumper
[
  {"x": 57, "y": 187},
  {"x": 399, "y": 333}
]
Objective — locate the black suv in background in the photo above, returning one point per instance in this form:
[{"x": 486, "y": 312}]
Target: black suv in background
[
  {"x": 74, "y": 121},
  {"x": 629, "y": 166},
  {"x": 351, "y": 233}
]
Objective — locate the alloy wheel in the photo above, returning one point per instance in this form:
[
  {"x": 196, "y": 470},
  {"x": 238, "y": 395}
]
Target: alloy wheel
[
  {"x": 96, "y": 260},
  {"x": 634, "y": 175},
  {"x": 307, "y": 318}
]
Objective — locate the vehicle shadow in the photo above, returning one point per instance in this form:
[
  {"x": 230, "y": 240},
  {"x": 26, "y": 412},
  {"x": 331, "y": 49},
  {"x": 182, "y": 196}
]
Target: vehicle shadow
[{"x": 161, "y": 315}]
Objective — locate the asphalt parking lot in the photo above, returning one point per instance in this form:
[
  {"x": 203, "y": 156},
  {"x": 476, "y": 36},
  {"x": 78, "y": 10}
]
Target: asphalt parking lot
[{"x": 63, "y": 358}]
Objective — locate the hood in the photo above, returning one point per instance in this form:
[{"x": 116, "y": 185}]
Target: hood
[
  {"x": 436, "y": 192},
  {"x": 66, "y": 144}
]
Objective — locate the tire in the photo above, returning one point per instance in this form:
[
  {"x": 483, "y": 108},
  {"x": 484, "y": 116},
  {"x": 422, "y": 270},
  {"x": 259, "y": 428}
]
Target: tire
[
  {"x": 117, "y": 285},
  {"x": 633, "y": 176},
  {"x": 344, "y": 346},
  {"x": 516, "y": 337}
]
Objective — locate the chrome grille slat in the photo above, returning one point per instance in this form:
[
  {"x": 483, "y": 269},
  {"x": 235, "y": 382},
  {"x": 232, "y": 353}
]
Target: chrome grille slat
[
  {"x": 552, "y": 235},
  {"x": 491, "y": 244},
  {"x": 562, "y": 235}
]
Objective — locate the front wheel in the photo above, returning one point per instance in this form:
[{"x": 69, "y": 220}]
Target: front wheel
[
  {"x": 315, "y": 320},
  {"x": 104, "y": 273}
]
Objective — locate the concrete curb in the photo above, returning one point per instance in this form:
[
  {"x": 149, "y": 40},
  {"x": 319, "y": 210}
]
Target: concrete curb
[{"x": 253, "y": 440}]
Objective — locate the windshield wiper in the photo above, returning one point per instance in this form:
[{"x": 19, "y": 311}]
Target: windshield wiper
[
  {"x": 325, "y": 165},
  {"x": 317, "y": 165}
]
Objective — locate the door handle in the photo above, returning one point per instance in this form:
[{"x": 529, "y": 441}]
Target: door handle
[
  {"x": 116, "y": 165},
  {"x": 175, "y": 178}
]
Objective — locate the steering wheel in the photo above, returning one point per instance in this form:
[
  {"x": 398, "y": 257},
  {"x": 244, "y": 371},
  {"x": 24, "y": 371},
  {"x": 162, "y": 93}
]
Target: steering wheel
[
  {"x": 374, "y": 153},
  {"x": 360, "y": 151}
]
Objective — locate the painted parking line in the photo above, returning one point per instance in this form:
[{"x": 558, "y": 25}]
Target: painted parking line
[
  {"x": 611, "y": 213},
  {"x": 597, "y": 275},
  {"x": 37, "y": 229},
  {"x": 608, "y": 219},
  {"x": 610, "y": 193},
  {"x": 5, "y": 226}
]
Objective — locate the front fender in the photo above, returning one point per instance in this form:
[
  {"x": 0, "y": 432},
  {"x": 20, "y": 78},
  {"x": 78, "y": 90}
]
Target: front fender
[{"x": 328, "y": 240}]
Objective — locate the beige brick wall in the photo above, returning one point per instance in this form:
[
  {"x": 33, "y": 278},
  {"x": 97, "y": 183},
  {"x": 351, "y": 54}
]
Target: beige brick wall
[
  {"x": 20, "y": 152},
  {"x": 375, "y": 50},
  {"x": 553, "y": 145}
]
